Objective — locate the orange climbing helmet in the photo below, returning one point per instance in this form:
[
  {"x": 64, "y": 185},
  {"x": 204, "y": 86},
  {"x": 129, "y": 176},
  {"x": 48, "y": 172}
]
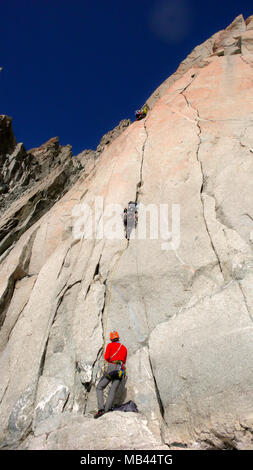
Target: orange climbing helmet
[{"x": 114, "y": 335}]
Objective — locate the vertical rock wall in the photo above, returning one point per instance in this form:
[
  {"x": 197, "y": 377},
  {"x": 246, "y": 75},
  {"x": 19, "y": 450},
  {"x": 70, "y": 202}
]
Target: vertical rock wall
[{"x": 184, "y": 313}]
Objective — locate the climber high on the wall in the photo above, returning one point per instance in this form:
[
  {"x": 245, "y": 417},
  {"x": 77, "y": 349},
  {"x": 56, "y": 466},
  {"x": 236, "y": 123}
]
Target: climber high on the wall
[
  {"x": 130, "y": 218},
  {"x": 115, "y": 356},
  {"x": 141, "y": 113}
]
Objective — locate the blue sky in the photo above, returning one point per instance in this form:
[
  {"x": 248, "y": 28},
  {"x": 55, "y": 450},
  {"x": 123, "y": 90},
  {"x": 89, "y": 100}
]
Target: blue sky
[{"x": 74, "y": 69}]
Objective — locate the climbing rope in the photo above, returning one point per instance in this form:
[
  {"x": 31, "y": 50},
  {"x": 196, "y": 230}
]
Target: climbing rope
[{"x": 108, "y": 297}]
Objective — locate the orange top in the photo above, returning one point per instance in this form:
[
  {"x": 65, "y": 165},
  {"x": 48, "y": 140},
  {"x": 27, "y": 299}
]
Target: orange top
[{"x": 112, "y": 348}]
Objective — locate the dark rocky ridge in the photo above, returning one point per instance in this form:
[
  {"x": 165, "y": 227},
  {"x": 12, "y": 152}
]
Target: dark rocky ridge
[{"x": 32, "y": 181}]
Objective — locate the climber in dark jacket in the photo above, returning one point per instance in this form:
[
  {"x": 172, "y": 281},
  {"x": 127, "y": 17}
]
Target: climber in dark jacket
[
  {"x": 130, "y": 218},
  {"x": 115, "y": 356}
]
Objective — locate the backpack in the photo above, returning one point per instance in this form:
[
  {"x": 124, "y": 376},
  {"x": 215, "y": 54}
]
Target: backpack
[{"x": 129, "y": 406}]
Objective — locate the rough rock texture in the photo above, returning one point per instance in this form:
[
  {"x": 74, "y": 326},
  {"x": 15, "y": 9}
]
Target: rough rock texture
[
  {"x": 21, "y": 170},
  {"x": 32, "y": 181},
  {"x": 72, "y": 432},
  {"x": 184, "y": 310}
]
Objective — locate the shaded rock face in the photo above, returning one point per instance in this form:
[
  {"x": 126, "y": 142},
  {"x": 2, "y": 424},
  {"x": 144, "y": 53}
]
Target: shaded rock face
[
  {"x": 21, "y": 169},
  {"x": 183, "y": 308},
  {"x": 8, "y": 141},
  {"x": 30, "y": 182}
]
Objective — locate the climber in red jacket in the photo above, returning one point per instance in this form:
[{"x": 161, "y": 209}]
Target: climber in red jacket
[{"x": 115, "y": 356}]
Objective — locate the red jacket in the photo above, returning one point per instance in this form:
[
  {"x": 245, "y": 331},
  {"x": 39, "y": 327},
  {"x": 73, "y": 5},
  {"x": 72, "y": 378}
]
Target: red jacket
[{"x": 112, "y": 348}]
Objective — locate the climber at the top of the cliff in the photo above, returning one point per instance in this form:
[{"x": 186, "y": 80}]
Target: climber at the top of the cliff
[
  {"x": 141, "y": 113},
  {"x": 115, "y": 357},
  {"x": 130, "y": 218}
]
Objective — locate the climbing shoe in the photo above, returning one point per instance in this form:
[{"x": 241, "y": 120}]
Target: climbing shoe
[{"x": 99, "y": 413}]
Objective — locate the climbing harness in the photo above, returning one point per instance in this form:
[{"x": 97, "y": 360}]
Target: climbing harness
[{"x": 119, "y": 373}]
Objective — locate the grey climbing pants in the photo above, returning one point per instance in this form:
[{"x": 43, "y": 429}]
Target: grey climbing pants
[{"x": 102, "y": 384}]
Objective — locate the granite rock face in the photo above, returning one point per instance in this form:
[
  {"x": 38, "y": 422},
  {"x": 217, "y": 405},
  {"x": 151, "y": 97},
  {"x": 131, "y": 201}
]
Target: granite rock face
[
  {"x": 225, "y": 42},
  {"x": 180, "y": 297}
]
